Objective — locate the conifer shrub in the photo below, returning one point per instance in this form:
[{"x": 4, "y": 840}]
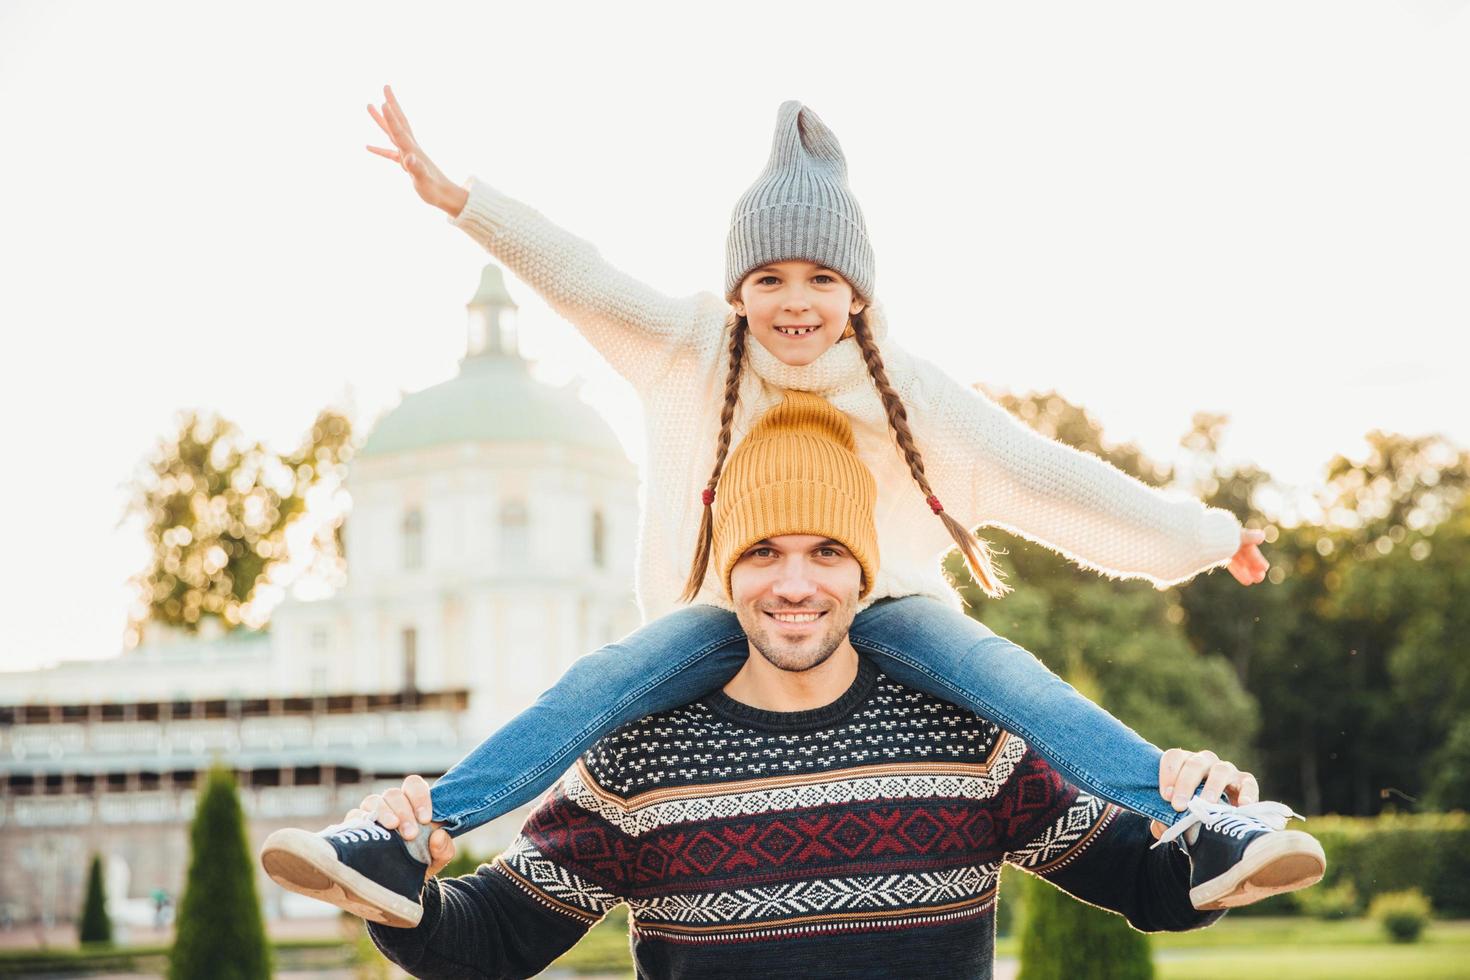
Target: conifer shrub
[
  {"x": 1063, "y": 938},
  {"x": 220, "y": 931},
  {"x": 95, "y": 927}
]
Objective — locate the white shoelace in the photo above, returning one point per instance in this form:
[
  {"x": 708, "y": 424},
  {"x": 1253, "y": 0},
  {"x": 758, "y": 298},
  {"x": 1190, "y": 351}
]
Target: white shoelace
[
  {"x": 1224, "y": 818},
  {"x": 361, "y": 829}
]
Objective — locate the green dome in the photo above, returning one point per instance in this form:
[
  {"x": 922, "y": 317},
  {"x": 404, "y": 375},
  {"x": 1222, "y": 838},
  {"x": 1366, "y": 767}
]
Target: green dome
[{"x": 493, "y": 399}]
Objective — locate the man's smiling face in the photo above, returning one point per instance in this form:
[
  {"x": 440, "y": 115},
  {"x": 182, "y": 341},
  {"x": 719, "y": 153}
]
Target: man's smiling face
[{"x": 796, "y": 596}]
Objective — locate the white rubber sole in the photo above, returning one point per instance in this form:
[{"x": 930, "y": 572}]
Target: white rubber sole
[
  {"x": 304, "y": 863},
  {"x": 1273, "y": 864}
]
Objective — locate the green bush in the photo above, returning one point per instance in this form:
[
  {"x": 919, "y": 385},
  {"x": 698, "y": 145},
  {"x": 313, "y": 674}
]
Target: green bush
[
  {"x": 1397, "y": 852},
  {"x": 1063, "y": 938},
  {"x": 95, "y": 926},
  {"x": 1403, "y": 914},
  {"x": 220, "y": 931},
  {"x": 1388, "y": 853},
  {"x": 1338, "y": 901}
]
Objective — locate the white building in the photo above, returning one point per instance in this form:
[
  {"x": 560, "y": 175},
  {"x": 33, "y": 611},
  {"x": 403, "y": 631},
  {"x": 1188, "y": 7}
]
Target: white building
[{"x": 491, "y": 543}]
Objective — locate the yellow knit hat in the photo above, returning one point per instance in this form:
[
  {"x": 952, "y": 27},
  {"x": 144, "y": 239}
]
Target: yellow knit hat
[{"x": 797, "y": 472}]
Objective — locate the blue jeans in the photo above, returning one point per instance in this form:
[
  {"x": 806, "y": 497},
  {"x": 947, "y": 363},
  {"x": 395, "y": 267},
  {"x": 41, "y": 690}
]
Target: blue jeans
[{"x": 685, "y": 655}]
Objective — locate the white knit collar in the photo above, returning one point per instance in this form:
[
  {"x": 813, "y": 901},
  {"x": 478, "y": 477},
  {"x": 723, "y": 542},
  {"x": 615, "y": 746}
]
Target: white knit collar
[{"x": 840, "y": 367}]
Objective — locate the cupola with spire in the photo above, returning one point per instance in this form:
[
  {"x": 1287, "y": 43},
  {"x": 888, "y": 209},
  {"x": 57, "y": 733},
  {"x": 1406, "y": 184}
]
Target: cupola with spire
[
  {"x": 492, "y": 331},
  {"x": 493, "y": 399}
]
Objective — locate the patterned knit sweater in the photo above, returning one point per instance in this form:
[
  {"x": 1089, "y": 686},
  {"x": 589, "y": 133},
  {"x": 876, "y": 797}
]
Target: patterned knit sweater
[
  {"x": 862, "y": 839},
  {"x": 986, "y": 466}
]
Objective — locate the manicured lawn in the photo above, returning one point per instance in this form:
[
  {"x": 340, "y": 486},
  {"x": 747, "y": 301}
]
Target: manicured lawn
[
  {"x": 1307, "y": 949},
  {"x": 1289, "y": 948},
  {"x": 1373, "y": 963},
  {"x": 1298, "y": 948},
  {"x": 1300, "y": 931},
  {"x": 295, "y": 955}
]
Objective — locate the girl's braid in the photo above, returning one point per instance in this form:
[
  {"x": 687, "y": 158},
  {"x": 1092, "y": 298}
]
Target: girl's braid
[
  {"x": 738, "y": 332},
  {"x": 977, "y": 555}
]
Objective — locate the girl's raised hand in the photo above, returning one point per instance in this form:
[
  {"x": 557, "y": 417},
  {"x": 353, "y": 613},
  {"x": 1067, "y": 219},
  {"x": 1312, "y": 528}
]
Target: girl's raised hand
[
  {"x": 1248, "y": 565},
  {"x": 428, "y": 181}
]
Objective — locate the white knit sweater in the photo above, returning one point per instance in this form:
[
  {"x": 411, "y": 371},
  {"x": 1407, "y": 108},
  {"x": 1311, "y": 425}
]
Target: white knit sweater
[{"x": 986, "y": 466}]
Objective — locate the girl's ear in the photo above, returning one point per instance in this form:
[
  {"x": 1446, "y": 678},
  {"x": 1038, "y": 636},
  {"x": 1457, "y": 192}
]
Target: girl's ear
[
  {"x": 739, "y": 308},
  {"x": 856, "y": 307}
]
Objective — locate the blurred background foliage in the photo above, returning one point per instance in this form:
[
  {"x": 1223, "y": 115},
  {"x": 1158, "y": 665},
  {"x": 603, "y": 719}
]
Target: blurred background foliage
[
  {"x": 1342, "y": 681},
  {"x": 219, "y": 511}
]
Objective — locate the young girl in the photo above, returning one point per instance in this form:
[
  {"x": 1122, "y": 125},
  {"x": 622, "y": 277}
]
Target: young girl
[{"x": 798, "y": 313}]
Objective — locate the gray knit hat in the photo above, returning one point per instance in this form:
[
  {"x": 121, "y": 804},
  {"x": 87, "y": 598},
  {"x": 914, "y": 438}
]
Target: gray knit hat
[{"x": 800, "y": 208}]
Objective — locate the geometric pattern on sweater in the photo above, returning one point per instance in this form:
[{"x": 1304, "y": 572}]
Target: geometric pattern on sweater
[
  {"x": 897, "y": 845},
  {"x": 696, "y": 804},
  {"x": 822, "y": 905},
  {"x": 709, "y": 901},
  {"x": 1068, "y": 838},
  {"x": 695, "y": 745},
  {"x": 552, "y": 885}
]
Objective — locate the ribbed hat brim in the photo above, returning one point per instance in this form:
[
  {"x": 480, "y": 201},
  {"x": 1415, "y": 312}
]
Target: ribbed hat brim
[{"x": 796, "y": 507}]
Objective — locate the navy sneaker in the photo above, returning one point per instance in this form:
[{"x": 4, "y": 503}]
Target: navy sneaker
[
  {"x": 359, "y": 866},
  {"x": 1239, "y": 855}
]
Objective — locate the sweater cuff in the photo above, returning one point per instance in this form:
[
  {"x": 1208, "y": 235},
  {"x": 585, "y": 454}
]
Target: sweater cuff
[
  {"x": 1217, "y": 540},
  {"x": 485, "y": 213},
  {"x": 1219, "y": 537},
  {"x": 406, "y": 947}
]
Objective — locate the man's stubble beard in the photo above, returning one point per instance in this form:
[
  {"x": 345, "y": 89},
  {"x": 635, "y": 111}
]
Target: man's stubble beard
[{"x": 798, "y": 658}]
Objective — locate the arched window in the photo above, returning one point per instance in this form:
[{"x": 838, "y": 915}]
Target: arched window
[
  {"x": 413, "y": 539},
  {"x": 515, "y": 536},
  {"x": 599, "y": 540}
]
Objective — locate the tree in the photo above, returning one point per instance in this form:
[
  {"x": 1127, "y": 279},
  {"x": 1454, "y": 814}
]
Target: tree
[
  {"x": 1123, "y": 636},
  {"x": 1405, "y": 482},
  {"x": 1409, "y": 600},
  {"x": 95, "y": 926},
  {"x": 1350, "y": 648},
  {"x": 220, "y": 931},
  {"x": 1294, "y": 662},
  {"x": 219, "y": 509},
  {"x": 1122, "y": 640}
]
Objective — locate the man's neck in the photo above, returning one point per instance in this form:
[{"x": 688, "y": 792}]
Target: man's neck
[{"x": 762, "y": 685}]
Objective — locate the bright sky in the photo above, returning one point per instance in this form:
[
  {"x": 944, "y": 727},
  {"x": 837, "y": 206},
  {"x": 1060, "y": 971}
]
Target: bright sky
[{"x": 1254, "y": 208}]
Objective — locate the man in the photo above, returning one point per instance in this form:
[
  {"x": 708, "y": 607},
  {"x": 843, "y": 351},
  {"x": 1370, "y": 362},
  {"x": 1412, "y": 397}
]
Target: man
[{"x": 814, "y": 817}]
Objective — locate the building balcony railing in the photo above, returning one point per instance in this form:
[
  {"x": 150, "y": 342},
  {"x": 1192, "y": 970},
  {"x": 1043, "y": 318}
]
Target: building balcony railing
[
  {"x": 175, "y": 806},
  {"x": 49, "y": 746}
]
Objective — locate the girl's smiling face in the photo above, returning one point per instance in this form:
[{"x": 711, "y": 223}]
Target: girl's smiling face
[{"x": 796, "y": 309}]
